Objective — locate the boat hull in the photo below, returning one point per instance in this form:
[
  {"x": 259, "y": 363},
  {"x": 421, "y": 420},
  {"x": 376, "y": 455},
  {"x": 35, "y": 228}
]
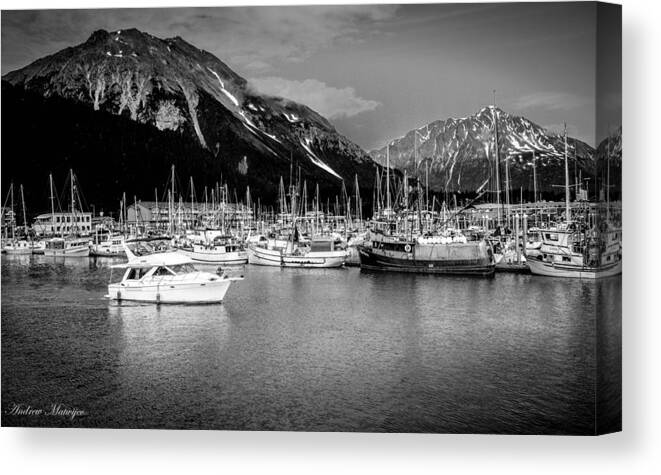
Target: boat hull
[
  {"x": 227, "y": 258},
  {"x": 72, "y": 252},
  {"x": 539, "y": 267},
  {"x": 18, "y": 251},
  {"x": 371, "y": 260},
  {"x": 182, "y": 293},
  {"x": 103, "y": 252}
]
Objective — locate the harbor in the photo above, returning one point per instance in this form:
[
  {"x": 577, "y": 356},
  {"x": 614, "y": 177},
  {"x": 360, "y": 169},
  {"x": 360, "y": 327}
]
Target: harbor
[{"x": 415, "y": 319}]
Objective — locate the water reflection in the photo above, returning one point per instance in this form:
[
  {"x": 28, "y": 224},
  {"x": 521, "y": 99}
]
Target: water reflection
[{"x": 310, "y": 349}]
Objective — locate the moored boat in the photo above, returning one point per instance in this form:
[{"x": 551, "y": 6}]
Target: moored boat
[
  {"x": 67, "y": 247},
  {"x": 319, "y": 252},
  {"x": 569, "y": 251},
  {"x": 18, "y": 247},
  {"x": 112, "y": 246},
  {"x": 426, "y": 256},
  {"x": 222, "y": 250}
]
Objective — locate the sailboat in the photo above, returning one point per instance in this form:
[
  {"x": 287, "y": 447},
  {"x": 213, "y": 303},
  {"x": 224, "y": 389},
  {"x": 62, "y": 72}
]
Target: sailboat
[
  {"x": 17, "y": 246},
  {"x": 575, "y": 249},
  {"x": 71, "y": 245}
]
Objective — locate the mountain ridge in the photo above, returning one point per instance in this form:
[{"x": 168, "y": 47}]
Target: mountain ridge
[
  {"x": 460, "y": 152},
  {"x": 174, "y": 88},
  {"x": 162, "y": 81}
]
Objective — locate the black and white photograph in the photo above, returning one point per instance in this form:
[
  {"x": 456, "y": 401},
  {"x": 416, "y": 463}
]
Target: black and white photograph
[{"x": 371, "y": 218}]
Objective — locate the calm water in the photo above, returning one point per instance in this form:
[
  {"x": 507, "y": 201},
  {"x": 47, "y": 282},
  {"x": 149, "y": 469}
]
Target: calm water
[{"x": 318, "y": 350}]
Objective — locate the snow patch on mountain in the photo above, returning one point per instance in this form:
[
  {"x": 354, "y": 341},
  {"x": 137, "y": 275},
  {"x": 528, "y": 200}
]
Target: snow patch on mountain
[
  {"x": 222, "y": 88},
  {"x": 316, "y": 160}
]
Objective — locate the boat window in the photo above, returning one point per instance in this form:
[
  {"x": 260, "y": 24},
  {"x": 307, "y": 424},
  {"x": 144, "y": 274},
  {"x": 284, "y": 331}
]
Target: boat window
[
  {"x": 183, "y": 268},
  {"x": 133, "y": 274},
  {"x": 551, "y": 237},
  {"x": 163, "y": 271},
  {"x": 566, "y": 259}
]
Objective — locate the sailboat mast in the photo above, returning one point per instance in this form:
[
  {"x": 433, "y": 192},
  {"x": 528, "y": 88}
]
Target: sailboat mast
[
  {"x": 157, "y": 212},
  {"x": 534, "y": 176},
  {"x": 52, "y": 203},
  {"x": 608, "y": 177},
  {"x": 171, "y": 201},
  {"x": 507, "y": 188},
  {"x": 426, "y": 184},
  {"x": 358, "y": 210},
  {"x": 388, "y": 176},
  {"x": 73, "y": 203},
  {"x": 567, "y": 211},
  {"x": 191, "y": 201},
  {"x": 13, "y": 215},
  {"x": 25, "y": 221},
  {"x": 495, "y": 125}
]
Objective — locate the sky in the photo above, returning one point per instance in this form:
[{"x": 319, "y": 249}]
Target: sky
[{"x": 378, "y": 71}]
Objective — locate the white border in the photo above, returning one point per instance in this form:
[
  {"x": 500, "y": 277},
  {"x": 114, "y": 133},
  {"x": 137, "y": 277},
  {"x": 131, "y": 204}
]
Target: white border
[{"x": 636, "y": 450}]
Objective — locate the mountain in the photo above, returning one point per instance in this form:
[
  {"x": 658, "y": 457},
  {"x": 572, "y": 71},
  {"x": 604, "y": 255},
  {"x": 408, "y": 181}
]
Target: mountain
[
  {"x": 163, "y": 91},
  {"x": 461, "y": 152}
]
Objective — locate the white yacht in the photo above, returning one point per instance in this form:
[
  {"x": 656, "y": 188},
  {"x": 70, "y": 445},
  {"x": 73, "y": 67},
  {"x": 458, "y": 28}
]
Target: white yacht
[{"x": 167, "y": 277}]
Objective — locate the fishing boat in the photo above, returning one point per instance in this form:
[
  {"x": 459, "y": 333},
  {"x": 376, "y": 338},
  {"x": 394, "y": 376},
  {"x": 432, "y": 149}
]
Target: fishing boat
[
  {"x": 221, "y": 250},
  {"x": 167, "y": 277},
  {"x": 450, "y": 255},
  {"x": 67, "y": 247},
  {"x": 321, "y": 252},
  {"x": 569, "y": 251},
  {"x": 577, "y": 250},
  {"x": 111, "y": 246}
]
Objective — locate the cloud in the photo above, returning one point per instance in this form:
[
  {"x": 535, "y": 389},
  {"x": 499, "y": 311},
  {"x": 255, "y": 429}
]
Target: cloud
[
  {"x": 555, "y": 101},
  {"x": 331, "y": 102},
  {"x": 251, "y": 38}
]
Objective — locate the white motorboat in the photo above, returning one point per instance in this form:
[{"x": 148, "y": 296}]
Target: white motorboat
[{"x": 167, "y": 277}]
